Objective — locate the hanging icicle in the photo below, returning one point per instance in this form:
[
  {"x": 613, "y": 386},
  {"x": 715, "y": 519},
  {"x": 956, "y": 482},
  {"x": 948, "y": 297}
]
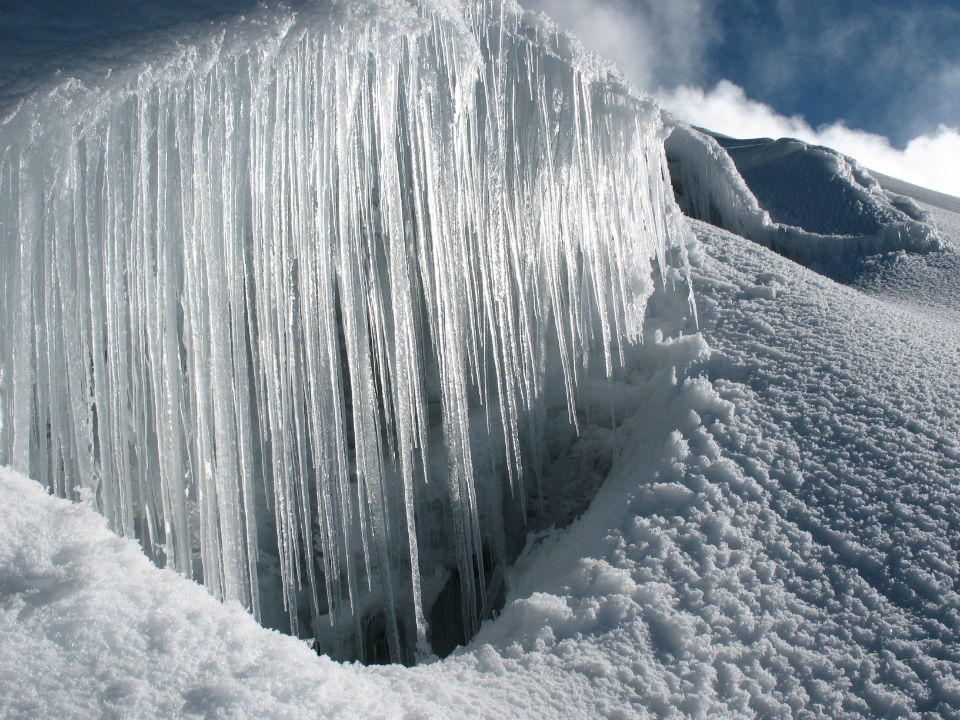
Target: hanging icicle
[{"x": 266, "y": 300}]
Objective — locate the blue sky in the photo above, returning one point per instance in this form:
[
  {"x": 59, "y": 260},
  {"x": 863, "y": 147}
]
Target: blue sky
[
  {"x": 863, "y": 62},
  {"x": 879, "y": 80}
]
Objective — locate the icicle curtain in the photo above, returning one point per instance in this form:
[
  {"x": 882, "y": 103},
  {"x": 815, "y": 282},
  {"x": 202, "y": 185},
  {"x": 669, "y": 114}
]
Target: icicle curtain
[{"x": 248, "y": 294}]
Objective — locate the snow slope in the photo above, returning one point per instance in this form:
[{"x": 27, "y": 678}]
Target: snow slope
[{"x": 778, "y": 537}]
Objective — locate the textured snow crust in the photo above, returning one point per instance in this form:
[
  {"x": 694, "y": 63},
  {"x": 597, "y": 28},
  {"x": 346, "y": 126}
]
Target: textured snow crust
[{"x": 925, "y": 282}]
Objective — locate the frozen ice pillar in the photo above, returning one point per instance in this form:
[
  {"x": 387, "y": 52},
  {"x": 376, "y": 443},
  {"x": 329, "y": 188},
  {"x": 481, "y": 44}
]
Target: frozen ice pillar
[{"x": 264, "y": 296}]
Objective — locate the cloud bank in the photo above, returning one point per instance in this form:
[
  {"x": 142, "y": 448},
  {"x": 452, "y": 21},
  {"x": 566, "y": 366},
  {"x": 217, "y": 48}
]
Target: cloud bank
[
  {"x": 653, "y": 42},
  {"x": 674, "y": 50},
  {"x": 931, "y": 160}
]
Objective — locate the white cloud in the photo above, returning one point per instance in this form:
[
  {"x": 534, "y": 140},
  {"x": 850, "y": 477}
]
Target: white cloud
[
  {"x": 931, "y": 160},
  {"x": 654, "y": 43},
  {"x": 666, "y": 44}
]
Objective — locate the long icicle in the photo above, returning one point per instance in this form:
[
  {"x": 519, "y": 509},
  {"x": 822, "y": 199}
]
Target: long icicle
[{"x": 274, "y": 300}]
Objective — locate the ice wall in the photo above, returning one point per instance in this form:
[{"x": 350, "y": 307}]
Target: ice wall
[
  {"x": 265, "y": 296},
  {"x": 829, "y": 211}
]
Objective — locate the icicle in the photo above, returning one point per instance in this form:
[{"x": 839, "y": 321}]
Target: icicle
[{"x": 257, "y": 297}]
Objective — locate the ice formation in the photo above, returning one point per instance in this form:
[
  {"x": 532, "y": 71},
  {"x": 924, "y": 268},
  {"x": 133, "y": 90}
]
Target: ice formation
[
  {"x": 827, "y": 210},
  {"x": 268, "y": 299}
]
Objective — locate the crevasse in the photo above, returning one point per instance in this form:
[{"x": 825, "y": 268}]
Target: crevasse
[{"x": 266, "y": 297}]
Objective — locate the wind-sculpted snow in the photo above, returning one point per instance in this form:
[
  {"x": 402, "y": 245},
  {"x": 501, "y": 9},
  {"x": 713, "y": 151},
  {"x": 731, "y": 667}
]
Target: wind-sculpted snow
[
  {"x": 809, "y": 203},
  {"x": 815, "y": 188},
  {"x": 289, "y": 301}
]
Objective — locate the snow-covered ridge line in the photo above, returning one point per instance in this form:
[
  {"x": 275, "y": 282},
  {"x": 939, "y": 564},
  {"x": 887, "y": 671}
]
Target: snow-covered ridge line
[
  {"x": 265, "y": 300},
  {"x": 711, "y": 186}
]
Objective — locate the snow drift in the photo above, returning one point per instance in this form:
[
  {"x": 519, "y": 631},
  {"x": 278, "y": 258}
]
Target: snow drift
[
  {"x": 806, "y": 202},
  {"x": 289, "y": 301}
]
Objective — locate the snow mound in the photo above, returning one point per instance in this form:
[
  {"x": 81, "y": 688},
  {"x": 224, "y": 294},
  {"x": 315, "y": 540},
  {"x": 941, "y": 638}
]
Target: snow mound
[
  {"x": 815, "y": 188},
  {"x": 91, "y": 628},
  {"x": 806, "y": 202}
]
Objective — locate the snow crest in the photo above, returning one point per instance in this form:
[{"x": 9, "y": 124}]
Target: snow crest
[
  {"x": 826, "y": 210},
  {"x": 264, "y": 300}
]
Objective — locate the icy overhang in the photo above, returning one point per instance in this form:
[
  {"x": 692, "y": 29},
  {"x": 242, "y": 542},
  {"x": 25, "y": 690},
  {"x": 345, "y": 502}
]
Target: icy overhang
[{"x": 289, "y": 297}]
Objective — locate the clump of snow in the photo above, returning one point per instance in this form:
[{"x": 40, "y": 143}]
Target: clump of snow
[
  {"x": 91, "y": 628},
  {"x": 806, "y": 202}
]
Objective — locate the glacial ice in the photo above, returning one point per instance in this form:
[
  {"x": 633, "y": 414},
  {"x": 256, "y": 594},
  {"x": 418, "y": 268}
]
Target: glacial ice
[{"x": 275, "y": 298}]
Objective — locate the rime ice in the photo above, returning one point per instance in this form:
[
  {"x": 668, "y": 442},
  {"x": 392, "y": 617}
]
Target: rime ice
[{"x": 266, "y": 298}]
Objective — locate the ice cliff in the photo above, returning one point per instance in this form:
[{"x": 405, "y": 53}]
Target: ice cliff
[{"x": 289, "y": 299}]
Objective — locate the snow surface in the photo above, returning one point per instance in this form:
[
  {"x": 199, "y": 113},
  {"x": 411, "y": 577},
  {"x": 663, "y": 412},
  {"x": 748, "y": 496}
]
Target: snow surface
[
  {"x": 778, "y": 537},
  {"x": 926, "y": 282},
  {"x": 777, "y": 533},
  {"x": 810, "y": 203}
]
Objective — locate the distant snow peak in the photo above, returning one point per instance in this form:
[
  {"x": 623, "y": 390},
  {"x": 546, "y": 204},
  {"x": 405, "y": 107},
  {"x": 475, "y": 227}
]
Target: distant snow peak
[{"x": 291, "y": 302}]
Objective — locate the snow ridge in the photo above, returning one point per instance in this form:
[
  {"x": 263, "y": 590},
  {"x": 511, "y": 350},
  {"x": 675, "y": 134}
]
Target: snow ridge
[{"x": 826, "y": 210}]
